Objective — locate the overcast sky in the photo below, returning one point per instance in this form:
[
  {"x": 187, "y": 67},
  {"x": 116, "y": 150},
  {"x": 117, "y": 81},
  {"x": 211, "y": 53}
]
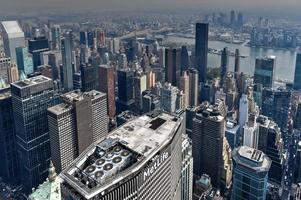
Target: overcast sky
[{"x": 269, "y": 5}]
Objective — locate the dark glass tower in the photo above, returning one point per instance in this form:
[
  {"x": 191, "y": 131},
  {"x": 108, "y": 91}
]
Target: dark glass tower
[
  {"x": 250, "y": 179},
  {"x": 125, "y": 90},
  {"x": 30, "y": 99},
  {"x": 184, "y": 59},
  {"x": 224, "y": 64},
  {"x": 88, "y": 77},
  {"x": 297, "y": 78},
  {"x": 36, "y": 47},
  {"x": 67, "y": 59},
  {"x": 8, "y": 155},
  {"x": 201, "y": 49},
  {"x": 173, "y": 66}
]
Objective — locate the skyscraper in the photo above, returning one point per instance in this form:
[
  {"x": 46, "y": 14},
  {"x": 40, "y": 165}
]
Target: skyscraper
[
  {"x": 187, "y": 168},
  {"x": 193, "y": 87},
  {"x": 276, "y": 104},
  {"x": 75, "y": 124},
  {"x": 139, "y": 87},
  {"x": 264, "y": 71},
  {"x": 201, "y": 49},
  {"x": 184, "y": 86},
  {"x": 5, "y": 64},
  {"x": 125, "y": 99},
  {"x": 36, "y": 46},
  {"x": 172, "y": 66},
  {"x": 270, "y": 142},
  {"x": 237, "y": 62},
  {"x": 169, "y": 98},
  {"x": 232, "y": 18},
  {"x": 13, "y": 37},
  {"x": 140, "y": 160},
  {"x": 13, "y": 73},
  {"x": 224, "y": 65},
  {"x": 107, "y": 85},
  {"x": 31, "y": 98},
  {"x": 67, "y": 58},
  {"x": 56, "y": 37},
  {"x": 250, "y": 178},
  {"x": 185, "y": 64},
  {"x": 208, "y": 138},
  {"x": 297, "y": 76},
  {"x": 24, "y": 60},
  {"x": 88, "y": 77},
  {"x": 8, "y": 153}
]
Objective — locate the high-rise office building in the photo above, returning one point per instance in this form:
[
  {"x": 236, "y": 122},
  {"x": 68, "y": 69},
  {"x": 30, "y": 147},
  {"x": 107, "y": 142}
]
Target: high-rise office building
[
  {"x": 250, "y": 178},
  {"x": 31, "y": 98},
  {"x": 201, "y": 49},
  {"x": 24, "y": 60},
  {"x": 13, "y": 37},
  {"x": 67, "y": 59},
  {"x": 8, "y": 153},
  {"x": 100, "y": 38},
  {"x": 107, "y": 85},
  {"x": 172, "y": 66},
  {"x": 240, "y": 20},
  {"x": 125, "y": 99},
  {"x": 139, "y": 87},
  {"x": 232, "y": 133},
  {"x": 36, "y": 46},
  {"x": 13, "y": 73},
  {"x": 224, "y": 65},
  {"x": 185, "y": 64},
  {"x": 88, "y": 77},
  {"x": 210, "y": 145},
  {"x": 297, "y": 76},
  {"x": 232, "y": 18},
  {"x": 237, "y": 62},
  {"x": 5, "y": 64},
  {"x": 55, "y": 37},
  {"x": 184, "y": 86},
  {"x": 75, "y": 124},
  {"x": 264, "y": 71},
  {"x": 169, "y": 98},
  {"x": 276, "y": 104},
  {"x": 270, "y": 142},
  {"x": 187, "y": 168},
  {"x": 193, "y": 87},
  {"x": 139, "y": 160},
  {"x": 83, "y": 37},
  {"x": 297, "y": 118}
]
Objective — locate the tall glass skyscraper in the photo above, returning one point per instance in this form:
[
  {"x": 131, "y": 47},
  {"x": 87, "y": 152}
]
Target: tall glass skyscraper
[
  {"x": 24, "y": 60},
  {"x": 67, "y": 47},
  {"x": 9, "y": 161},
  {"x": 250, "y": 178},
  {"x": 30, "y": 99},
  {"x": 264, "y": 71},
  {"x": 201, "y": 49},
  {"x": 297, "y": 77}
]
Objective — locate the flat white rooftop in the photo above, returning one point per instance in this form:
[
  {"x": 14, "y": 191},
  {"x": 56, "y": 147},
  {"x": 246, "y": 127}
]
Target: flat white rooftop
[{"x": 13, "y": 29}]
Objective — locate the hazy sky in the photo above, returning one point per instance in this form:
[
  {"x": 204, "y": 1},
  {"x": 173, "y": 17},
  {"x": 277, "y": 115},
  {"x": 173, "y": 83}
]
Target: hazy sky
[{"x": 269, "y": 5}]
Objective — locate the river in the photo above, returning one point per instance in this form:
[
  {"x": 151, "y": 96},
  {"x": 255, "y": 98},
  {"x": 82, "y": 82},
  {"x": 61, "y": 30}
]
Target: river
[{"x": 285, "y": 59}]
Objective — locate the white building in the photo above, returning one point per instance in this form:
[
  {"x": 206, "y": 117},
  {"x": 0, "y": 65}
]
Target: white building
[{"x": 13, "y": 37}]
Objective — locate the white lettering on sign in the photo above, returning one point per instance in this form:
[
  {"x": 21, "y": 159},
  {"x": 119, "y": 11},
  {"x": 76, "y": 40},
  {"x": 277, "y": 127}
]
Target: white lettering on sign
[{"x": 155, "y": 165}]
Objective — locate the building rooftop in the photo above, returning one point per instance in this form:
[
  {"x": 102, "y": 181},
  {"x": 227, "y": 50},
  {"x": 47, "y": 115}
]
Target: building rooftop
[
  {"x": 60, "y": 108},
  {"x": 31, "y": 81},
  {"x": 4, "y": 93},
  {"x": 13, "y": 29},
  {"x": 77, "y": 95},
  {"x": 252, "y": 158},
  {"x": 122, "y": 153}
]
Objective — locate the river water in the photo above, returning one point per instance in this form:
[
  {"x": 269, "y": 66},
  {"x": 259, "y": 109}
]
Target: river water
[{"x": 285, "y": 59}]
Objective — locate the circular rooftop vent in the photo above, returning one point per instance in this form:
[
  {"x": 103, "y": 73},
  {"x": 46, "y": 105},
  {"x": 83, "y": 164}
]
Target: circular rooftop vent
[
  {"x": 98, "y": 174},
  {"x": 90, "y": 169},
  {"x": 117, "y": 159},
  {"x": 117, "y": 149},
  {"x": 100, "y": 162},
  {"x": 108, "y": 166},
  {"x": 125, "y": 153}
]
